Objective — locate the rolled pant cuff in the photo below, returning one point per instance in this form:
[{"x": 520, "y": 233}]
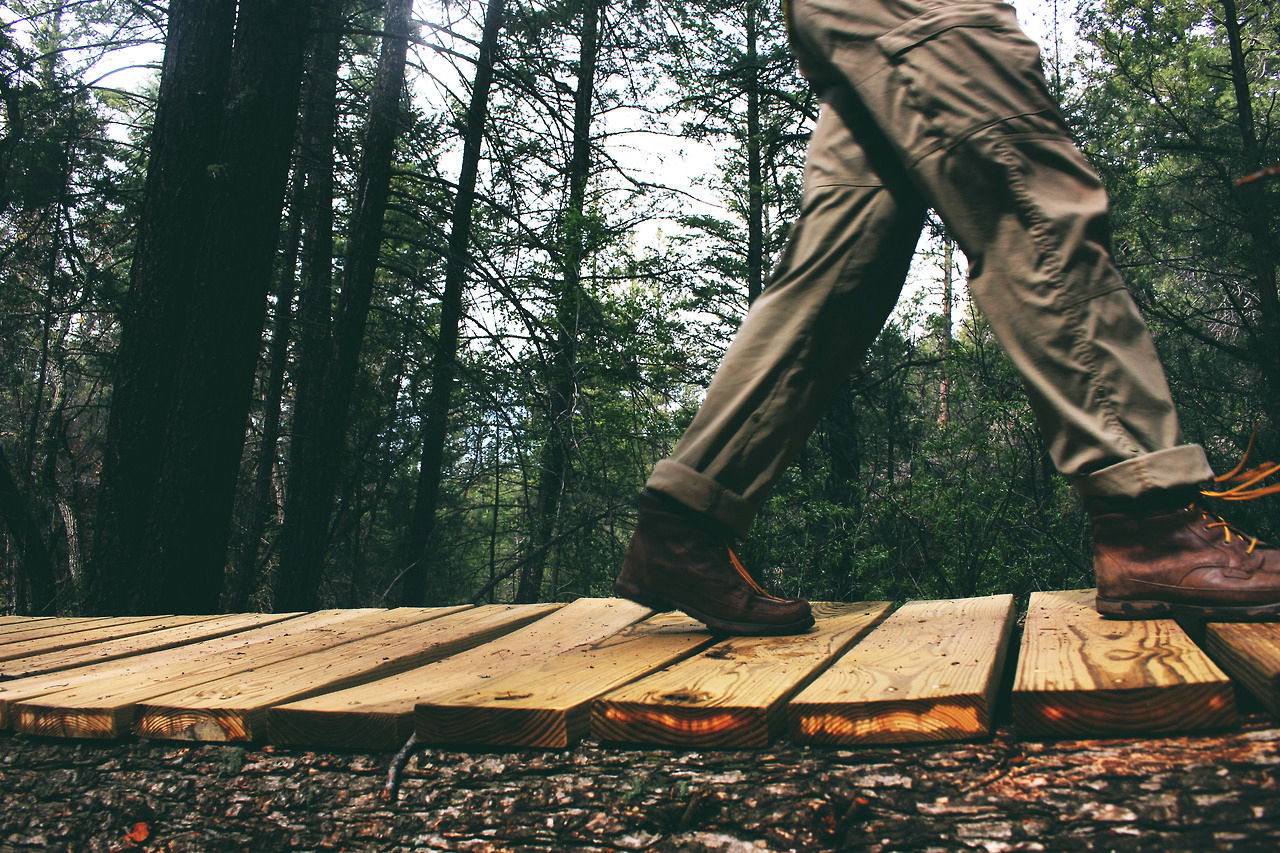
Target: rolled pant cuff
[
  {"x": 700, "y": 492},
  {"x": 1175, "y": 467}
]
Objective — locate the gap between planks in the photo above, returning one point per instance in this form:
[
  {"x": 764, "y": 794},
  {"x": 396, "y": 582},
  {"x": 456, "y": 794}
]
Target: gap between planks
[
  {"x": 99, "y": 701},
  {"x": 379, "y": 715},
  {"x": 549, "y": 704},
  {"x": 1250, "y": 653},
  {"x": 1084, "y": 676},
  {"x": 929, "y": 672},
  {"x": 234, "y": 709},
  {"x": 735, "y": 693}
]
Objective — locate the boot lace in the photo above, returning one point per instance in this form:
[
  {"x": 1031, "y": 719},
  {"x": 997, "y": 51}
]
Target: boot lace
[
  {"x": 1236, "y": 486},
  {"x": 746, "y": 576}
]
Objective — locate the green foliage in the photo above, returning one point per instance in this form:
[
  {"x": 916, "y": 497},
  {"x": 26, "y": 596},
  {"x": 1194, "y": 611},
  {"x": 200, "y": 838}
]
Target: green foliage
[
  {"x": 1173, "y": 123},
  {"x": 890, "y": 499}
]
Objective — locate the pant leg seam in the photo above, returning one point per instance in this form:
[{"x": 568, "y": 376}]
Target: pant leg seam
[{"x": 1038, "y": 229}]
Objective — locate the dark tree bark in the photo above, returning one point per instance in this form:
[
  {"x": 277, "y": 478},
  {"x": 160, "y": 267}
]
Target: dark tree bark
[
  {"x": 190, "y": 521},
  {"x": 260, "y": 502},
  {"x": 312, "y": 202},
  {"x": 436, "y": 430},
  {"x": 1257, "y": 217},
  {"x": 319, "y": 431},
  {"x": 36, "y": 572},
  {"x": 184, "y": 144},
  {"x": 755, "y": 168},
  {"x": 554, "y": 463}
]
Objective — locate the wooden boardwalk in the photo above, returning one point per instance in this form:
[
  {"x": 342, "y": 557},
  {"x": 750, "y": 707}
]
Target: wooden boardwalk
[{"x": 548, "y": 675}]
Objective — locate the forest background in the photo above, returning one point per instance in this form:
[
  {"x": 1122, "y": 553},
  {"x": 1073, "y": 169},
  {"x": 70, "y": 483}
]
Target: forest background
[{"x": 361, "y": 304}]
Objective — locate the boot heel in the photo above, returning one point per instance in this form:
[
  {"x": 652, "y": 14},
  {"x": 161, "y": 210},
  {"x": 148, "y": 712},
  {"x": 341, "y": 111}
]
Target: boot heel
[
  {"x": 631, "y": 592},
  {"x": 1113, "y": 608}
]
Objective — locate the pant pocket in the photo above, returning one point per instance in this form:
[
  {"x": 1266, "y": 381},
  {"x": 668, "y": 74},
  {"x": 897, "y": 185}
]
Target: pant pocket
[{"x": 962, "y": 67}]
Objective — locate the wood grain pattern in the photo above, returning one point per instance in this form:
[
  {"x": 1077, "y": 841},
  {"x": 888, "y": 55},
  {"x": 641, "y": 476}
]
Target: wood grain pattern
[
  {"x": 548, "y": 705},
  {"x": 1082, "y": 675},
  {"x": 379, "y": 715},
  {"x": 99, "y": 701},
  {"x": 735, "y": 693},
  {"x": 234, "y": 709},
  {"x": 68, "y": 627},
  {"x": 19, "y": 623},
  {"x": 1250, "y": 653},
  {"x": 27, "y": 648},
  {"x": 124, "y": 647},
  {"x": 928, "y": 673}
]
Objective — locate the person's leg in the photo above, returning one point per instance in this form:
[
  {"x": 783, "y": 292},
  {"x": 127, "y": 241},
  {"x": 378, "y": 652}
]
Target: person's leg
[
  {"x": 835, "y": 285},
  {"x": 958, "y": 90},
  {"x": 836, "y": 282}
]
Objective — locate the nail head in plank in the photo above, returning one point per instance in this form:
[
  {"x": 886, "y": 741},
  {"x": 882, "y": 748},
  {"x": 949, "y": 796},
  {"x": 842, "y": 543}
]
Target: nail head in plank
[
  {"x": 734, "y": 694},
  {"x": 928, "y": 673},
  {"x": 379, "y": 715},
  {"x": 1082, "y": 675},
  {"x": 234, "y": 709},
  {"x": 103, "y": 705},
  {"x": 1250, "y": 653},
  {"x": 548, "y": 705}
]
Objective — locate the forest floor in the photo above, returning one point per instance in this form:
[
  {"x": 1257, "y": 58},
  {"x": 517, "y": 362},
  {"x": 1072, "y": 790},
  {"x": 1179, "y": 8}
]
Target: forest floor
[{"x": 1206, "y": 792}]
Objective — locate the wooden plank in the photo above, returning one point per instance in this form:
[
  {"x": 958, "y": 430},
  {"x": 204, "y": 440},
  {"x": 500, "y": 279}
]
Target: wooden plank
[
  {"x": 549, "y": 705},
  {"x": 19, "y": 623},
  {"x": 1250, "y": 653},
  {"x": 152, "y": 641},
  {"x": 67, "y": 626},
  {"x": 100, "y": 634},
  {"x": 1082, "y": 675},
  {"x": 101, "y": 701},
  {"x": 928, "y": 673},
  {"x": 735, "y": 693},
  {"x": 235, "y": 708},
  {"x": 26, "y": 623},
  {"x": 379, "y": 715}
]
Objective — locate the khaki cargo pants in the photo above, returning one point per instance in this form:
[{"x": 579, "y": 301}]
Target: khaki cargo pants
[{"x": 927, "y": 103}]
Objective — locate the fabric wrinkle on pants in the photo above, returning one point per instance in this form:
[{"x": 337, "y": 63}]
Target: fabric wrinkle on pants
[{"x": 942, "y": 105}]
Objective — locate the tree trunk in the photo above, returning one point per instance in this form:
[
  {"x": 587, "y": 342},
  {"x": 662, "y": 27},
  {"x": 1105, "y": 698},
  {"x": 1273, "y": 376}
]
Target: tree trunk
[
  {"x": 318, "y": 440},
  {"x": 435, "y": 433},
  {"x": 561, "y": 387},
  {"x": 37, "y": 565},
  {"x": 944, "y": 348},
  {"x": 182, "y": 567},
  {"x": 312, "y": 202},
  {"x": 260, "y": 498},
  {"x": 184, "y": 144},
  {"x": 755, "y": 170},
  {"x": 1257, "y": 218}
]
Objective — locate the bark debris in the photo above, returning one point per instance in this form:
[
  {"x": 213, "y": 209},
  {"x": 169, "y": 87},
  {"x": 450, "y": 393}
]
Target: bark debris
[{"x": 1209, "y": 792}]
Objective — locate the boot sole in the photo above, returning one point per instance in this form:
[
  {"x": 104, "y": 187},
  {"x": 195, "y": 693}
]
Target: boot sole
[
  {"x": 1114, "y": 608},
  {"x": 662, "y": 603}
]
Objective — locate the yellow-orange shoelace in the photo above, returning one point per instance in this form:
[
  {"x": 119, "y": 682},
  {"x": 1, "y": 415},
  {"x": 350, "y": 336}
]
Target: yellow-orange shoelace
[
  {"x": 1237, "y": 484},
  {"x": 746, "y": 576},
  {"x": 1237, "y": 481},
  {"x": 1226, "y": 529}
]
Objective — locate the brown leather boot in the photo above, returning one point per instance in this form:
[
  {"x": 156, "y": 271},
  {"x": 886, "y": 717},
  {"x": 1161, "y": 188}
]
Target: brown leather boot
[
  {"x": 1163, "y": 555},
  {"x": 682, "y": 560}
]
